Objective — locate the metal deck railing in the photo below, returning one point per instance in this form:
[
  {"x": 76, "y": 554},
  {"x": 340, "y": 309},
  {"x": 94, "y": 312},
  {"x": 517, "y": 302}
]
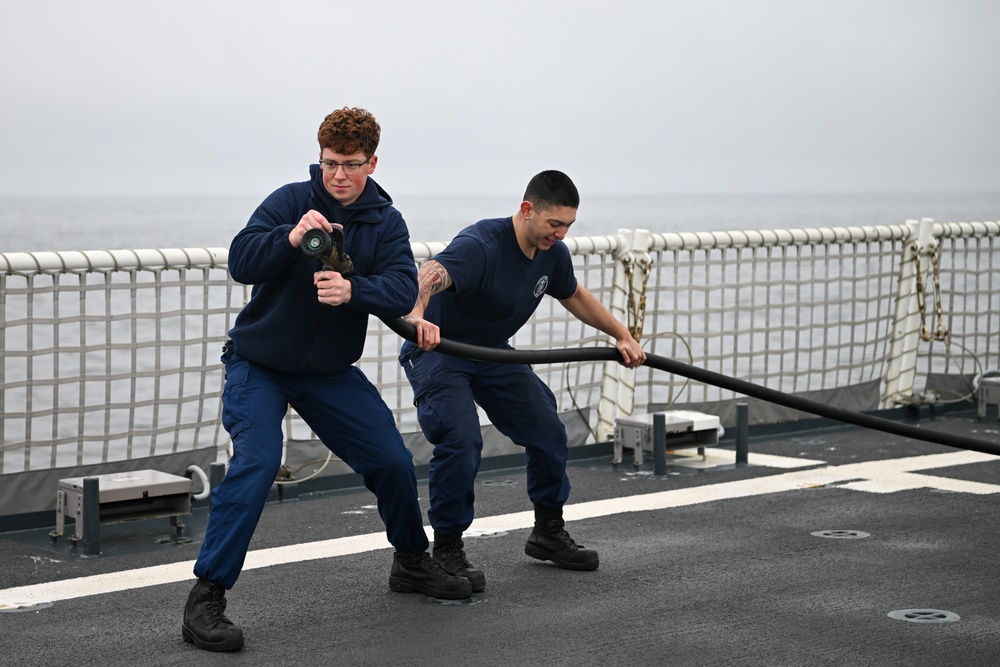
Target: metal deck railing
[{"x": 112, "y": 357}]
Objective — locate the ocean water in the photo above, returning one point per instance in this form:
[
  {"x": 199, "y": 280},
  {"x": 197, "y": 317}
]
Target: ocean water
[
  {"x": 119, "y": 223},
  {"x": 64, "y": 223}
]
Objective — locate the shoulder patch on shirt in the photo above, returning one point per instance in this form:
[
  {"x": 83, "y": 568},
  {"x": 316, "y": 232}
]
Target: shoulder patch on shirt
[{"x": 540, "y": 286}]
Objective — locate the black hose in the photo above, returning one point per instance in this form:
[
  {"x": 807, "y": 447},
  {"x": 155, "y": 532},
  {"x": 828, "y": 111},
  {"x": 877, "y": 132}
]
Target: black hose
[{"x": 565, "y": 355}]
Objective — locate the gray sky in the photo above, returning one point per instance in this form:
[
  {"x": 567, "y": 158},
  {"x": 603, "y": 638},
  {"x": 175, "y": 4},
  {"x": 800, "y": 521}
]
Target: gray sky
[{"x": 659, "y": 96}]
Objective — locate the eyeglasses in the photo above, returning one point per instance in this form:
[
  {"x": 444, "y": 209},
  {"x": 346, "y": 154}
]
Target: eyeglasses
[{"x": 350, "y": 169}]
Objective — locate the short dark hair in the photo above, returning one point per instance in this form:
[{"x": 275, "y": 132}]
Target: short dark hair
[
  {"x": 551, "y": 188},
  {"x": 348, "y": 131}
]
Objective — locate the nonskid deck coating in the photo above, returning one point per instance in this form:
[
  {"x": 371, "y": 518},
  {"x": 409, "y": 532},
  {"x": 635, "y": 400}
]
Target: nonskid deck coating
[{"x": 710, "y": 566}]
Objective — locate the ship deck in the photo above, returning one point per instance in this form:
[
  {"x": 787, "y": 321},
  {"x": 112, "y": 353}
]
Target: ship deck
[{"x": 834, "y": 546}]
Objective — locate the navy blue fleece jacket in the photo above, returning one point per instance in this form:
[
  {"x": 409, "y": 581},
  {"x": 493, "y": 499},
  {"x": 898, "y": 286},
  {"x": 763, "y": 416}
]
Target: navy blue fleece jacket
[{"x": 284, "y": 326}]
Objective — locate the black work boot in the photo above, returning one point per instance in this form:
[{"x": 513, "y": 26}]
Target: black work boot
[
  {"x": 449, "y": 551},
  {"x": 550, "y": 541},
  {"x": 416, "y": 571},
  {"x": 205, "y": 622}
]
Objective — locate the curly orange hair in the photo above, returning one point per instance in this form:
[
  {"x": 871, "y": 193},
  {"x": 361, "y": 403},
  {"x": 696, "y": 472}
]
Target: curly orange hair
[{"x": 350, "y": 130}]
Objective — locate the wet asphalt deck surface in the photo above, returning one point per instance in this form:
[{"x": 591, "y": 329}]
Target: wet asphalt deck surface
[{"x": 732, "y": 581}]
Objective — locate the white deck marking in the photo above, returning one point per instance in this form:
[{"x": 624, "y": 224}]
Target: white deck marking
[
  {"x": 715, "y": 457},
  {"x": 872, "y": 476}
]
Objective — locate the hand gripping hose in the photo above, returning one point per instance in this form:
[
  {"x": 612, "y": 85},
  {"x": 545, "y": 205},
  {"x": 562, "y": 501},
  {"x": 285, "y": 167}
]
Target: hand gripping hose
[{"x": 565, "y": 355}]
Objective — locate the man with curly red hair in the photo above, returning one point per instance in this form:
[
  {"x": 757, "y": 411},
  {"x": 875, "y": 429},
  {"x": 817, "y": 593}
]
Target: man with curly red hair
[{"x": 295, "y": 343}]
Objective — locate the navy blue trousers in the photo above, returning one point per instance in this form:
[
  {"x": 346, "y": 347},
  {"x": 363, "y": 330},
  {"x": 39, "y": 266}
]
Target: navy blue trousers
[
  {"x": 349, "y": 416},
  {"x": 446, "y": 390}
]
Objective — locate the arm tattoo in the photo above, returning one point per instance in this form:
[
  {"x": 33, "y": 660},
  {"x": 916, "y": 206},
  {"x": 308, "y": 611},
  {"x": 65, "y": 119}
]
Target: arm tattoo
[{"x": 432, "y": 278}]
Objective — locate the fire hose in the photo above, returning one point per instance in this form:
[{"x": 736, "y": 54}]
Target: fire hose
[{"x": 569, "y": 355}]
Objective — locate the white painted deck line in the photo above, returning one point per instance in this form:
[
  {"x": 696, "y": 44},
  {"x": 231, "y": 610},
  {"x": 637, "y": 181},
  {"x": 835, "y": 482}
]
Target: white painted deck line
[
  {"x": 715, "y": 457},
  {"x": 871, "y": 476}
]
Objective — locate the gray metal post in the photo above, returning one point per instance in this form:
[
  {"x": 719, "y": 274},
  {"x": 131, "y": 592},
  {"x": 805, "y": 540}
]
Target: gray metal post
[
  {"x": 91, "y": 516},
  {"x": 659, "y": 444},
  {"x": 742, "y": 434}
]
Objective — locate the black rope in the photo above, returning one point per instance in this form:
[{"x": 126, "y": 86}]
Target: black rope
[{"x": 566, "y": 355}]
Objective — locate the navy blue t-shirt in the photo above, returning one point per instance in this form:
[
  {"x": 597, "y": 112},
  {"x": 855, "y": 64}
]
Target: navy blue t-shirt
[{"x": 496, "y": 288}]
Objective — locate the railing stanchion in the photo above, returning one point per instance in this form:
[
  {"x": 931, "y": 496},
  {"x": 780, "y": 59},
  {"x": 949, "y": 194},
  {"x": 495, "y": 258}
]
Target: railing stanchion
[
  {"x": 659, "y": 444},
  {"x": 91, "y": 517},
  {"x": 901, "y": 367},
  {"x": 607, "y": 406},
  {"x": 742, "y": 434}
]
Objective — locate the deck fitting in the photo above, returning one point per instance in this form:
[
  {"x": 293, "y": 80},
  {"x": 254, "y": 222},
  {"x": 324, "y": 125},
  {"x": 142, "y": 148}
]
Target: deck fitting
[
  {"x": 13, "y": 608},
  {"x": 924, "y": 615},
  {"x": 464, "y": 602},
  {"x": 841, "y": 534}
]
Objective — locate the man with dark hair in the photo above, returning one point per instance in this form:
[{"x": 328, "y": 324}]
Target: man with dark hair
[
  {"x": 295, "y": 343},
  {"x": 485, "y": 285}
]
